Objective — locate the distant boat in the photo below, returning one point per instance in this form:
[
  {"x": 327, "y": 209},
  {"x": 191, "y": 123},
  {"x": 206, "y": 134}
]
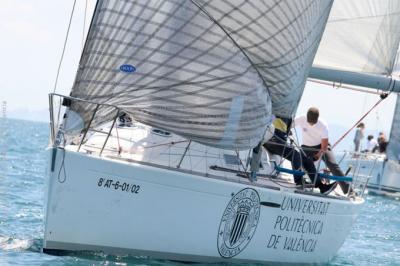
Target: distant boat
[
  {"x": 360, "y": 47},
  {"x": 186, "y": 179}
]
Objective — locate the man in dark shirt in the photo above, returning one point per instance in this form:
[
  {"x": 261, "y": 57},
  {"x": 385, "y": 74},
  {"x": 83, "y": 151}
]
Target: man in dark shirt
[{"x": 382, "y": 142}]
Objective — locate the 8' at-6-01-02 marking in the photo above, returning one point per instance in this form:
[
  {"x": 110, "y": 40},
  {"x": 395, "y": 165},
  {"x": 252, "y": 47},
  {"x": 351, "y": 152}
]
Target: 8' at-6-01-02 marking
[{"x": 117, "y": 185}]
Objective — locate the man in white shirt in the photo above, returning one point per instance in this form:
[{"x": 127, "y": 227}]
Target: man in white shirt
[
  {"x": 278, "y": 145},
  {"x": 372, "y": 144},
  {"x": 316, "y": 142}
]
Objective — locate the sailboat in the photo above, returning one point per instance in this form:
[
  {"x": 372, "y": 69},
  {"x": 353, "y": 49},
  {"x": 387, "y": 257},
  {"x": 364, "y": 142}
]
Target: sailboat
[
  {"x": 360, "y": 48},
  {"x": 156, "y": 151}
]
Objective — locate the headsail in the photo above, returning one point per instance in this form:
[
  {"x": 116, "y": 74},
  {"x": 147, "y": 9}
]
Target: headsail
[
  {"x": 206, "y": 70},
  {"x": 360, "y": 43}
]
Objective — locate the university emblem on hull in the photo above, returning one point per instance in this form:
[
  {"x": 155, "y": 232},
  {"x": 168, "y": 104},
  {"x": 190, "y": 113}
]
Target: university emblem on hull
[{"x": 239, "y": 223}]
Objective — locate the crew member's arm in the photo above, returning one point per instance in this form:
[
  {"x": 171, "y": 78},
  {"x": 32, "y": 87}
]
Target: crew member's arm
[
  {"x": 324, "y": 148},
  {"x": 324, "y": 140}
]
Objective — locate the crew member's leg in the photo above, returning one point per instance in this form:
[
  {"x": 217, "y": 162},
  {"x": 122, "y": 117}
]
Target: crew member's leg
[
  {"x": 356, "y": 145},
  {"x": 309, "y": 166},
  {"x": 288, "y": 153},
  {"x": 331, "y": 163},
  {"x": 298, "y": 159},
  {"x": 309, "y": 153}
]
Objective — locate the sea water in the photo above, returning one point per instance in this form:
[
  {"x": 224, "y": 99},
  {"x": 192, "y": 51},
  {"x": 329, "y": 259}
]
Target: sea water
[{"x": 373, "y": 240}]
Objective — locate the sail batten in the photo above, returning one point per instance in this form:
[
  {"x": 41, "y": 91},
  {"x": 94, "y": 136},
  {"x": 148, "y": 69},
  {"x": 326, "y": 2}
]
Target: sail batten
[{"x": 212, "y": 71}]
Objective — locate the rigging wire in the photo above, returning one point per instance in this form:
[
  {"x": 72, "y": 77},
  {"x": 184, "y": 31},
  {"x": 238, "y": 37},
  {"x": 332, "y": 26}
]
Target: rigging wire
[
  {"x": 382, "y": 97},
  {"x": 65, "y": 44},
  {"x": 119, "y": 145},
  {"x": 84, "y": 24}
]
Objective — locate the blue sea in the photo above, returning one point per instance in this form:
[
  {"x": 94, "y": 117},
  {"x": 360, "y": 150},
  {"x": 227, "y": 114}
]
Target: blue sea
[{"x": 373, "y": 240}]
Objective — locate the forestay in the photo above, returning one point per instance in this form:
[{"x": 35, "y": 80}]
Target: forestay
[
  {"x": 207, "y": 70},
  {"x": 361, "y": 36}
]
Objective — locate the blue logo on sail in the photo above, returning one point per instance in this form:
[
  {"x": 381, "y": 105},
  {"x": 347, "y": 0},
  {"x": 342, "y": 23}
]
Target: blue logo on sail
[{"x": 127, "y": 68}]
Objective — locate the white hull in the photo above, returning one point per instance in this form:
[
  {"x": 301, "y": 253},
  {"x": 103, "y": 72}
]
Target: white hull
[{"x": 174, "y": 214}]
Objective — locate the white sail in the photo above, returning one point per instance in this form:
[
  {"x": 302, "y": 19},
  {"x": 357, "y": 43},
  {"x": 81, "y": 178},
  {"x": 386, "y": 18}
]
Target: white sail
[
  {"x": 393, "y": 149},
  {"x": 361, "y": 36},
  {"x": 206, "y": 70}
]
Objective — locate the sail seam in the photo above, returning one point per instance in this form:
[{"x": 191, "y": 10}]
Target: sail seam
[{"x": 234, "y": 42}]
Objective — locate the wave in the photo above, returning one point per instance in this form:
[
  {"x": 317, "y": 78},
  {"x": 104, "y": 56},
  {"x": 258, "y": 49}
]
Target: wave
[{"x": 15, "y": 244}]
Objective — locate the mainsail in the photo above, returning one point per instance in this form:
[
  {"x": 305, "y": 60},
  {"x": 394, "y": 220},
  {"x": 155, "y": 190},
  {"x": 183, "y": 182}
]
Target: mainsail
[
  {"x": 213, "y": 71},
  {"x": 361, "y": 36},
  {"x": 360, "y": 44}
]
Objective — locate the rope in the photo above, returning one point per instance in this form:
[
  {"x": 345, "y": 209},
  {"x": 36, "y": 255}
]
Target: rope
[
  {"x": 382, "y": 97},
  {"x": 241, "y": 163},
  {"x": 165, "y": 144},
  {"x": 62, "y": 166},
  {"x": 65, "y": 44}
]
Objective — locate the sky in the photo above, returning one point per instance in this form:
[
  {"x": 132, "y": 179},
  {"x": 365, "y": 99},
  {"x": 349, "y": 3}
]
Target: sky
[{"x": 33, "y": 34}]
